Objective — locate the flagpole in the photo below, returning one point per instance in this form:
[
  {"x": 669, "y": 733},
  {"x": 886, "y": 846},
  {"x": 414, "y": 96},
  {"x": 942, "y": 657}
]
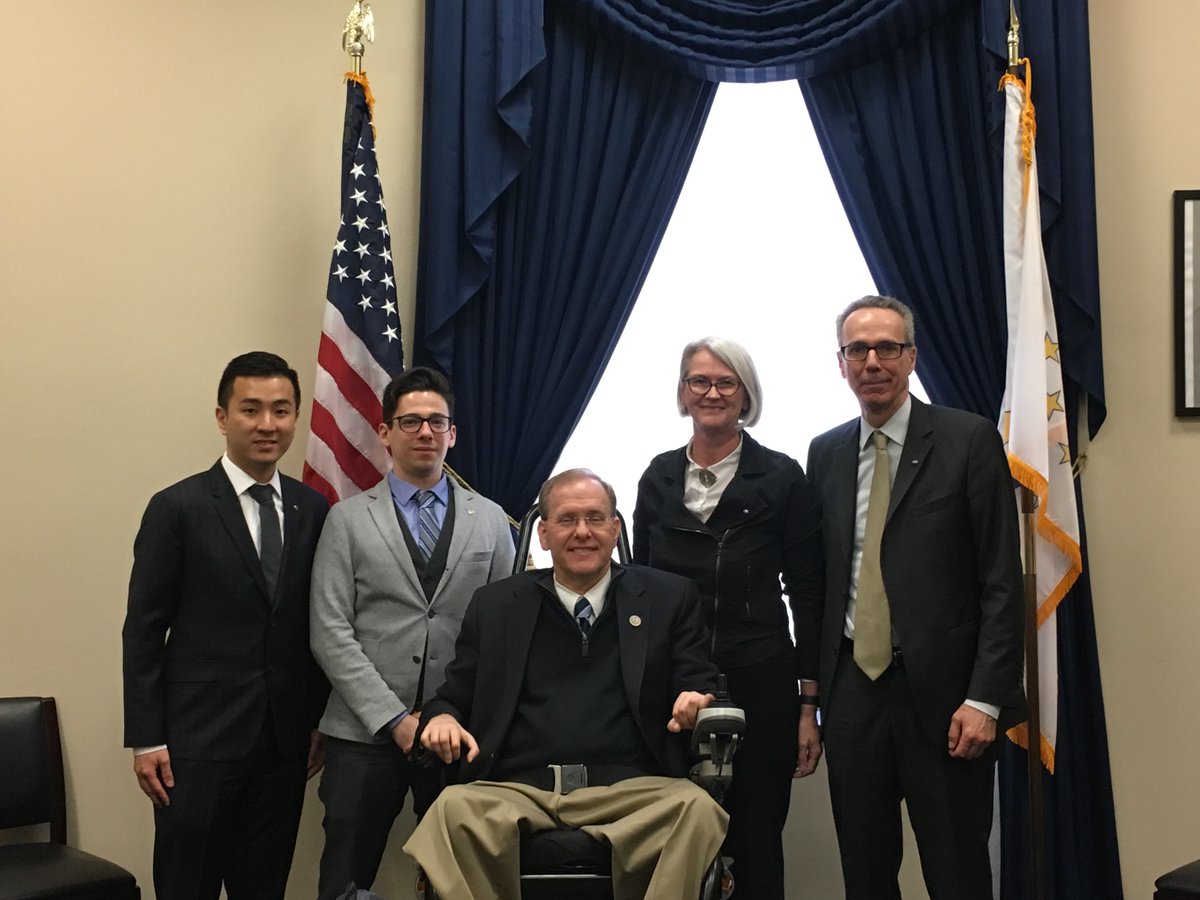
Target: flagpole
[
  {"x": 1033, "y": 758},
  {"x": 1029, "y": 502},
  {"x": 360, "y": 26}
]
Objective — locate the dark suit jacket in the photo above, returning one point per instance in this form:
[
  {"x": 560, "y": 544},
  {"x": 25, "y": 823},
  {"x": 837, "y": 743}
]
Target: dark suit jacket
[
  {"x": 950, "y": 558},
  {"x": 206, "y": 650},
  {"x": 661, "y": 656}
]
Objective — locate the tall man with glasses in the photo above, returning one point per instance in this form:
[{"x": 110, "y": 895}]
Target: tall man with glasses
[
  {"x": 921, "y": 643},
  {"x": 393, "y": 573},
  {"x": 222, "y": 696},
  {"x": 566, "y": 702}
]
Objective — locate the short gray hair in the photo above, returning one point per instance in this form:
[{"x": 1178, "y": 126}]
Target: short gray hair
[
  {"x": 543, "y": 500},
  {"x": 874, "y": 301},
  {"x": 735, "y": 356}
]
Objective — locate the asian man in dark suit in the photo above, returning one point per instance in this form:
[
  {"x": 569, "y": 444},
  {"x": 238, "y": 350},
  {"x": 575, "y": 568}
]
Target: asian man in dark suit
[
  {"x": 588, "y": 666},
  {"x": 222, "y": 695},
  {"x": 921, "y": 647}
]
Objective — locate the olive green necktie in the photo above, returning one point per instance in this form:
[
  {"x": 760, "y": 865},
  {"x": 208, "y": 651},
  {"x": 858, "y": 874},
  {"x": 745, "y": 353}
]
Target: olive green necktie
[{"x": 872, "y": 617}]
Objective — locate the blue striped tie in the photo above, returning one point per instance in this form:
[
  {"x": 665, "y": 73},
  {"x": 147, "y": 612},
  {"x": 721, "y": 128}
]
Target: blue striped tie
[
  {"x": 583, "y": 614},
  {"x": 428, "y": 529}
]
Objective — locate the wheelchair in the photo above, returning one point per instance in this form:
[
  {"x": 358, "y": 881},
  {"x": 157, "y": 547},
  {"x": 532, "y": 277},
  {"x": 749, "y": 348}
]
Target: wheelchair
[{"x": 566, "y": 863}]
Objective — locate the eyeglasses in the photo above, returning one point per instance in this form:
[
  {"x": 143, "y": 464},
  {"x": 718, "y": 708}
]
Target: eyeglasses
[
  {"x": 700, "y": 385},
  {"x": 592, "y": 520},
  {"x": 857, "y": 352},
  {"x": 412, "y": 424}
]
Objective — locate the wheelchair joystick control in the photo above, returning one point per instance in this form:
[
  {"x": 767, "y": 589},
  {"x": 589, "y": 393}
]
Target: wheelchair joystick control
[{"x": 719, "y": 729}]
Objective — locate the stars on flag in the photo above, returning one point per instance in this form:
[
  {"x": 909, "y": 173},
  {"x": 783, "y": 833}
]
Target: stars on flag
[
  {"x": 362, "y": 254},
  {"x": 1054, "y": 403}
]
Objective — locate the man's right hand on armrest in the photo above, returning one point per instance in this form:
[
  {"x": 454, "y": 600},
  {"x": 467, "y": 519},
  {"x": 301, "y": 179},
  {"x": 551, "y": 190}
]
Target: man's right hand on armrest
[{"x": 446, "y": 738}]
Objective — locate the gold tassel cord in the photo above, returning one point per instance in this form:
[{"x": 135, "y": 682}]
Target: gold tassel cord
[{"x": 1028, "y": 115}]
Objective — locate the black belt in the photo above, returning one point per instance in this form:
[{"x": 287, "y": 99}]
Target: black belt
[
  {"x": 564, "y": 779},
  {"x": 897, "y": 656}
]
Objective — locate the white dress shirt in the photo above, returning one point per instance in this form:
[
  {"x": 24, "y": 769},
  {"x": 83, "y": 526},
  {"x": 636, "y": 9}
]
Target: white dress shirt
[
  {"x": 701, "y": 500},
  {"x": 595, "y": 595}
]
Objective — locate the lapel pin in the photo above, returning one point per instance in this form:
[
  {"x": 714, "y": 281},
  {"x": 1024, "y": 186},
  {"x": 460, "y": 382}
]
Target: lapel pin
[
  {"x": 635, "y": 621},
  {"x": 914, "y": 461}
]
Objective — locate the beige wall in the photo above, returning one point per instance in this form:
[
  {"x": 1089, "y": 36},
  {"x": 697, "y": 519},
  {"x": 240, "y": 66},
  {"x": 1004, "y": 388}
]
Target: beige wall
[
  {"x": 168, "y": 199},
  {"x": 169, "y": 189},
  {"x": 1141, "y": 491}
]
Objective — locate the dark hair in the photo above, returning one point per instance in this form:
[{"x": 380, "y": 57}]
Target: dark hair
[
  {"x": 418, "y": 378},
  {"x": 543, "y": 500},
  {"x": 256, "y": 364}
]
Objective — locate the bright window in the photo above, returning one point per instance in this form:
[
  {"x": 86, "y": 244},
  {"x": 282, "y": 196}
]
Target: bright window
[{"x": 773, "y": 282}]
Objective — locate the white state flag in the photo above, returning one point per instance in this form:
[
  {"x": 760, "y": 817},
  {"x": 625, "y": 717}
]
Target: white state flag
[{"x": 1033, "y": 418}]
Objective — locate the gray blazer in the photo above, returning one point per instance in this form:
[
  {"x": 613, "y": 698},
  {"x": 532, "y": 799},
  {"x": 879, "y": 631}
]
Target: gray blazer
[{"x": 370, "y": 622}]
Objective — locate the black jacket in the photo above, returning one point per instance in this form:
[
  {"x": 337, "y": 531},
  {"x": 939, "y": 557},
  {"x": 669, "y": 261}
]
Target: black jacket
[
  {"x": 207, "y": 652},
  {"x": 662, "y": 651},
  {"x": 767, "y": 525}
]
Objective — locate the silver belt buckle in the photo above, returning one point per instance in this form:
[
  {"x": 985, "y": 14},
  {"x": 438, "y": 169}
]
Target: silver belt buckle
[{"x": 568, "y": 778}]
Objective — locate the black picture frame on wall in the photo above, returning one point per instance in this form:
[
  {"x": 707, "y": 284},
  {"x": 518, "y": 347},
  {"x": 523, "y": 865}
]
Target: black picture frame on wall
[{"x": 1187, "y": 303}]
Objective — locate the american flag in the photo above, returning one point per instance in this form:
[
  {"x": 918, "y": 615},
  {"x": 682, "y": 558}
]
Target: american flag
[{"x": 360, "y": 349}]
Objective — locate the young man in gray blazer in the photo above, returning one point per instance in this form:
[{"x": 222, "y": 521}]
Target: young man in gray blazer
[
  {"x": 921, "y": 640},
  {"x": 394, "y": 570}
]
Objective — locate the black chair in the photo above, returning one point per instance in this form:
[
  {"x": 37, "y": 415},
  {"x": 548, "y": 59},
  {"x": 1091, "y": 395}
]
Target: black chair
[
  {"x": 526, "y": 529},
  {"x": 1181, "y": 884},
  {"x": 568, "y": 864},
  {"x": 32, "y": 793}
]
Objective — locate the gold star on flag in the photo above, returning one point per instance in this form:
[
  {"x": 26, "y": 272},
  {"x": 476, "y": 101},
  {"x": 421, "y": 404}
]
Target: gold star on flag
[
  {"x": 1053, "y": 405},
  {"x": 1066, "y": 454},
  {"x": 1051, "y": 349}
]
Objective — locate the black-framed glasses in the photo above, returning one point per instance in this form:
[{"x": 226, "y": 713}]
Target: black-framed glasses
[
  {"x": 411, "y": 424},
  {"x": 857, "y": 351},
  {"x": 699, "y": 385}
]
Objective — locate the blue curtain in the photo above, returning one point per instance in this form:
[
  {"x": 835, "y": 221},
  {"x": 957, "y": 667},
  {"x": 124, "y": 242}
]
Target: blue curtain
[
  {"x": 528, "y": 139},
  {"x": 907, "y": 137},
  {"x": 609, "y": 143},
  {"x": 478, "y": 118},
  {"x": 913, "y": 140}
]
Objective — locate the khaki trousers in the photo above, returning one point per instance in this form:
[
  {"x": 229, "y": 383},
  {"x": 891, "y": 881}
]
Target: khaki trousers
[{"x": 663, "y": 831}]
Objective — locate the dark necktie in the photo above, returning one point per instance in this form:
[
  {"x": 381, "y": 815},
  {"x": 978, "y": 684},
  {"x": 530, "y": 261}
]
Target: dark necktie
[
  {"x": 583, "y": 614},
  {"x": 270, "y": 540},
  {"x": 428, "y": 530}
]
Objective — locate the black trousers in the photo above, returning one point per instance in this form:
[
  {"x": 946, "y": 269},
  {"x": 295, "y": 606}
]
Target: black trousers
[
  {"x": 878, "y": 755},
  {"x": 762, "y": 781},
  {"x": 363, "y": 787},
  {"x": 230, "y": 823}
]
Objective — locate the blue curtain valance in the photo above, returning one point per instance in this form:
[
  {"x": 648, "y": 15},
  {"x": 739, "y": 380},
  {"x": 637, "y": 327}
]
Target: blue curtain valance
[{"x": 763, "y": 40}]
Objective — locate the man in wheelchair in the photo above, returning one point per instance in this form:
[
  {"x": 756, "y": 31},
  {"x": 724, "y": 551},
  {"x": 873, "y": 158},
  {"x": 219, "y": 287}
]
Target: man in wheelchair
[{"x": 565, "y": 705}]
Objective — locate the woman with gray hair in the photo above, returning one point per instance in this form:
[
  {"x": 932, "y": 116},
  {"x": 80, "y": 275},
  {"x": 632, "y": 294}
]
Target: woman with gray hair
[{"x": 743, "y": 523}]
